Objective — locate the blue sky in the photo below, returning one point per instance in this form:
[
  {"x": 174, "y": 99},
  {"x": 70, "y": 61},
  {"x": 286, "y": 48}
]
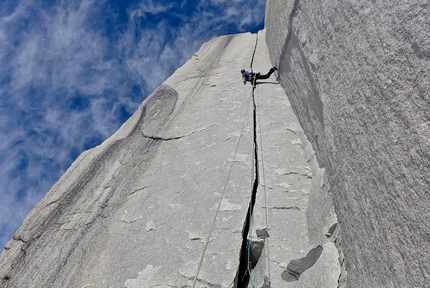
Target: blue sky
[{"x": 71, "y": 72}]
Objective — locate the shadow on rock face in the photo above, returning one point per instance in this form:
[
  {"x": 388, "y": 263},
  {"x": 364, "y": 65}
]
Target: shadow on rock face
[{"x": 296, "y": 267}]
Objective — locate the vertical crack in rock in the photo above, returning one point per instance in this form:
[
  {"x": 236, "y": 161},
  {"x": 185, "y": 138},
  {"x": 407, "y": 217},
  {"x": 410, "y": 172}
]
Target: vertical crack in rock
[
  {"x": 255, "y": 49},
  {"x": 254, "y": 248}
]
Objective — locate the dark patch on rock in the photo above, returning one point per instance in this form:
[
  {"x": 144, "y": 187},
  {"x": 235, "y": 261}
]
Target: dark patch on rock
[
  {"x": 262, "y": 234},
  {"x": 331, "y": 230},
  {"x": 266, "y": 283},
  {"x": 296, "y": 267}
]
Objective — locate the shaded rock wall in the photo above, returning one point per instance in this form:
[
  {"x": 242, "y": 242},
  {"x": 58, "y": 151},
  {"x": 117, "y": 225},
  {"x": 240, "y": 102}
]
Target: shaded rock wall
[{"x": 357, "y": 75}]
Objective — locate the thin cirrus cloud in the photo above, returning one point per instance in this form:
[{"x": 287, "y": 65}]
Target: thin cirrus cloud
[{"x": 71, "y": 72}]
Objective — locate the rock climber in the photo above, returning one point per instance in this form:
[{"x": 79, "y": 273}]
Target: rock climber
[{"x": 253, "y": 77}]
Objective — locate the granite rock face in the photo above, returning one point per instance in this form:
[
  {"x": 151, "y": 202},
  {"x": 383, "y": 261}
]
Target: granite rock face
[
  {"x": 164, "y": 201},
  {"x": 358, "y": 77}
]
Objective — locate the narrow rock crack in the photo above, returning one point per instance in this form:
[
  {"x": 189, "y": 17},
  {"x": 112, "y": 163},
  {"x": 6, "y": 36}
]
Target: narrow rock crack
[
  {"x": 242, "y": 276},
  {"x": 161, "y": 138}
]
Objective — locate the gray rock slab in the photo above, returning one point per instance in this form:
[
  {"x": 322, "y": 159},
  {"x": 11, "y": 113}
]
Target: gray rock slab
[
  {"x": 161, "y": 201},
  {"x": 164, "y": 201},
  {"x": 357, "y": 76}
]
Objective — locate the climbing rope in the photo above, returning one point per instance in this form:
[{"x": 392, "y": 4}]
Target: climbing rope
[
  {"x": 253, "y": 53},
  {"x": 254, "y": 170},
  {"x": 254, "y": 185},
  {"x": 266, "y": 245},
  {"x": 222, "y": 196},
  {"x": 255, "y": 173}
]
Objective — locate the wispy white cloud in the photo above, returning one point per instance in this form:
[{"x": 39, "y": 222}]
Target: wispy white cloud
[
  {"x": 71, "y": 72},
  {"x": 47, "y": 58},
  {"x": 151, "y": 7}
]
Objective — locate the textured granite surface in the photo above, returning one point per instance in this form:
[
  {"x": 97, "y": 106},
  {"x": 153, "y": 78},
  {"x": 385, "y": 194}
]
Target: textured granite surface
[{"x": 357, "y": 75}]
